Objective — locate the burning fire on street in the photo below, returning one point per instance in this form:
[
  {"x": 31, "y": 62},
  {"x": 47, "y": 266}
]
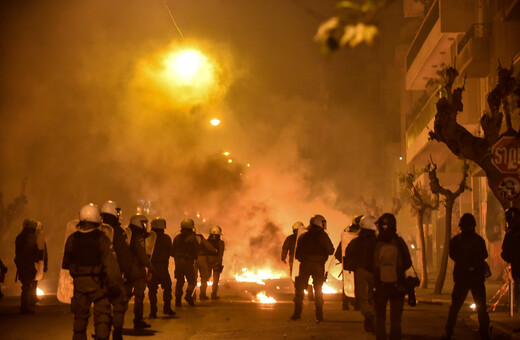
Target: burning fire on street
[
  {"x": 258, "y": 277},
  {"x": 262, "y": 297}
]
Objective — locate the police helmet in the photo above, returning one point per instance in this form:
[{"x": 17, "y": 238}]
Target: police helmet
[
  {"x": 187, "y": 223},
  {"x": 158, "y": 223},
  {"x": 297, "y": 225},
  {"x": 90, "y": 213},
  {"x": 215, "y": 230},
  {"x": 319, "y": 221},
  {"x": 386, "y": 222}
]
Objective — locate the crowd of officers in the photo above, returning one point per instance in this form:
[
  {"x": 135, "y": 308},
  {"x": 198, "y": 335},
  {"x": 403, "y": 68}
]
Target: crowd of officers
[
  {"x": 379, "y": 259},
  {"x": 109, "y": 265}
]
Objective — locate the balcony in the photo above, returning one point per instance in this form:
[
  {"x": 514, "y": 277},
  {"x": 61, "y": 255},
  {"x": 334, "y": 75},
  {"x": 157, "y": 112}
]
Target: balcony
[
  {"x": 417, "y": 132},
  {"x": 473, "y": 56},
  {"x": 431, "y": 47}
]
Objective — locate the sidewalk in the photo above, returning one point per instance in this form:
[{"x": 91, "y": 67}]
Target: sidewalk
[{"x": 503, "y": 326}]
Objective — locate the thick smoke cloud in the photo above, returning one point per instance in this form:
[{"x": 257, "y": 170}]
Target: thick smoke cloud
[{"x": 81, "y": 123}]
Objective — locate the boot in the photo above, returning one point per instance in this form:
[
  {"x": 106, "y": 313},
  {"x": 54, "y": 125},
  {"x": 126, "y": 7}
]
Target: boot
[
  {"x": 153, "y": 312},
  {"x": 319, "y": 314},
  {"x": 203, "y": 297},
  {"x": 297, "y": 311},
  {"x": 189, "y": 300},
  {"x": 178, "y": 302},
  {"x": 214, "y": 296},
  {"x": 370, "y": 324},
  {"x": 167, "y": 310},
  {"x": 140, "y": 324},
  {"x": 345, "y": 305},
  {"x": 118, "y": 333}
]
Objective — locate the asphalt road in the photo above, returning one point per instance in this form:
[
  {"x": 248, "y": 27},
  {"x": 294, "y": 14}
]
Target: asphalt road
[{"x": 235, "y": 316}]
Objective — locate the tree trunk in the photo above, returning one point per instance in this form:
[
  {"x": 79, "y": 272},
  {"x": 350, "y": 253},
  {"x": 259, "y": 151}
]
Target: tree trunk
[
  {"x": 422, "y": 245},
  {"x": 446, "y": 248}
]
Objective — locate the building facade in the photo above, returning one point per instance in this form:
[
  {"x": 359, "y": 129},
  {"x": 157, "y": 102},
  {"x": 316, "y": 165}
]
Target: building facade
[{"x": 473, "y": 36}]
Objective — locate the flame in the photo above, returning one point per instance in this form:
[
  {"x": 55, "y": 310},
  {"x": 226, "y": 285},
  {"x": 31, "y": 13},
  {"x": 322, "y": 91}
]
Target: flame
[
  {"x": 263, "y": 298},
  {"x": 210, "y": 283},
  {"x": 325, "y": 289},
  {"x": 39, "y": 292},
  {"x": 258, "y": 277}
]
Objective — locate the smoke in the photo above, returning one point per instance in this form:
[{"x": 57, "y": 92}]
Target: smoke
[{"x": 85, "y": 120}]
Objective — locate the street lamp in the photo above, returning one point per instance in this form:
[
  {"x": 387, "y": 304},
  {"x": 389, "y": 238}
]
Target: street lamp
[{"x": 215, "y": 121}]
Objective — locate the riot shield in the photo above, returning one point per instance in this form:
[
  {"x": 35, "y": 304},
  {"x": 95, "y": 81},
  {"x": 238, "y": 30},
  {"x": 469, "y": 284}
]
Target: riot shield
[
  {"x": 348, "y": 276},
  {"x": 65, "y": 282}
]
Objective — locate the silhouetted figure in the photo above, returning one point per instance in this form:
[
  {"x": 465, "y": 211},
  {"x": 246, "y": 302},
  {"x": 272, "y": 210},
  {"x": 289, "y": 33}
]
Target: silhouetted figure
[
  {"x": 91, "y": 261},
  {"x": 202, "y": 265},
  {"x": 215, "y": 260},
  {"x": 160, "y": 261},
  {"x": 140, "y": 262},
  {"x": 27, "y": 257},
  {"x": 349, "y": 233},
  {"x": 111, "y": 215},
  {"x": 312, "y": 250},
  {"x": 511, "y": 246},
  {"x": 468, "y": 251},
  {"x": 359, "y": 257},
  {"x": 391, "y": 260},
  {"x": 3, "y": 271},
  {"x": 185, "y": 250}
]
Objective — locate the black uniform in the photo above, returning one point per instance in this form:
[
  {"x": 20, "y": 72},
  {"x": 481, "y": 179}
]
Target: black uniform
[
  {"x": 185, "y": 250},
  {"x": 140, "y": 262},
  {"x": 468, "y": 251},
  {"x": 359, "y": 256},
  {"x": 392, "y": 292},
  {"x": 27, "y": 255},
  {"x": 288, "y": 249},
  {"x": 510, "y": 254},
  {"x": 161, "y": 276},
  {"x": 312, "y": 250},
  {"x": 124, "y": 260},
  {"x": 202, "y": 264},
  {"x": 215, "y": 263},
  {"x": 89, "y": 256},
  {"x": 3, "y": 271}
]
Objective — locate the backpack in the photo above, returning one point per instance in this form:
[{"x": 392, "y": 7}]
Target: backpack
[{"x": 388, "y": 259}]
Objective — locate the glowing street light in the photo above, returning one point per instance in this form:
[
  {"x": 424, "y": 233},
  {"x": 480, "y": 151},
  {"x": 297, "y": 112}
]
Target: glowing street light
[
  {"x": 215, "y": 121},
  {"x": 186, "y": 65},
  {"x": 230, "y": 161},
  {"x": 225, "y": 153}
]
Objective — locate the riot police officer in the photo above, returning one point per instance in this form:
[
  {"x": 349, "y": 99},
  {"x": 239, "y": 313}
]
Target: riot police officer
[
  {"x": 162, "y": 251},
  {"x": 214, "y": 261},
  {"x": 312, "y": 250},
  {"x": 27, "y": 255},
  {"x": 111, "y": 215},
  {"x": 201, "y": 264},
  {"x": 140, "y": 262},
  {"x": 185, "y": 250},
  {"x": 91, "y": 261}
]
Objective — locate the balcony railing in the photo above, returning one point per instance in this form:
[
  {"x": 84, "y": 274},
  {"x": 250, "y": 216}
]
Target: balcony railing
[
  {"x": 424, "y": 31},
  {"x": 422, "y": 119},
  {"x": 476, "y": 31}
]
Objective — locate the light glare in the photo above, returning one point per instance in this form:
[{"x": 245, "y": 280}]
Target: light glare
[{"x": 215, "y": 122}]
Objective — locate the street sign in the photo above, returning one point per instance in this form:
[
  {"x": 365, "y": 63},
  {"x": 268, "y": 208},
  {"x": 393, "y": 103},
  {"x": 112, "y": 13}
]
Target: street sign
[
  {"x": 509, "y": 187},
  {"x": 505, "y": 155}
]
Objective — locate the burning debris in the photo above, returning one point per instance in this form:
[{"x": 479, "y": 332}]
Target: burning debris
[
  {"x": 262, "y": 297},
  {"x": 258, "y": 277}
]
